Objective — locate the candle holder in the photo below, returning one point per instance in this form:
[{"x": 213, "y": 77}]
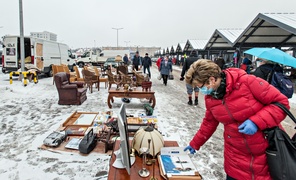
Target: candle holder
[
  {"x": 144, "y": 172},
  {"x": 153, "y": 176}
]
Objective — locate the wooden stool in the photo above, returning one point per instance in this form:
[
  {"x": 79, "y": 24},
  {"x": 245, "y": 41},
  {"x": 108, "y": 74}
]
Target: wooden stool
[{"x": 102, "y": 79}]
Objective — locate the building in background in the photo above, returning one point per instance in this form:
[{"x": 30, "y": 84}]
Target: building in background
[
  {"x": 44, "y": 35},
  {"x": 142, "y": 50}
]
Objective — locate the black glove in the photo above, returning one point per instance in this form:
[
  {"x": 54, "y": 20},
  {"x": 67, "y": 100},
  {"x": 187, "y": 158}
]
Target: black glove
[{"x": 181, "y": 78}]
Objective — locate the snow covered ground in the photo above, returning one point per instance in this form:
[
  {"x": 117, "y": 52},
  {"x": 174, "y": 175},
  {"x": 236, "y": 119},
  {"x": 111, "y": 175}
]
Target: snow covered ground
[{"x": 29, "y": 114}]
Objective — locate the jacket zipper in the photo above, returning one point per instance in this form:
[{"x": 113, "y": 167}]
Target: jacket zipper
[{"x": 252, "y": 159}]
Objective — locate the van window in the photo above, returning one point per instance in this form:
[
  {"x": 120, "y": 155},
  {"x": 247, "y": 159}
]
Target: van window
[{"x": 10, "y": 51}]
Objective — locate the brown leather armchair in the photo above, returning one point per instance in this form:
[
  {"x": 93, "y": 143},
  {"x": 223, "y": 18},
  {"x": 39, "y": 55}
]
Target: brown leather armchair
[{"x": 69, "y": 93}]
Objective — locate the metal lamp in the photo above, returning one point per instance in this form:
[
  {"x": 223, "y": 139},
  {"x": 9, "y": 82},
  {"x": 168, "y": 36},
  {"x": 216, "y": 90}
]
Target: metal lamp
[{"x": 141, "y": 140}]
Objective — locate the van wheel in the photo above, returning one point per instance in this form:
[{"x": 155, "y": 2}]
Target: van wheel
[
  {"x": 50, "y": 73},
  {"x": 81, "y": 64}
]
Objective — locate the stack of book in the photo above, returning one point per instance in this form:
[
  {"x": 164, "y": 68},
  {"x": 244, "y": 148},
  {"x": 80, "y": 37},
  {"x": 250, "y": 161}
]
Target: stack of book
[{"x": 176, "y": 164}]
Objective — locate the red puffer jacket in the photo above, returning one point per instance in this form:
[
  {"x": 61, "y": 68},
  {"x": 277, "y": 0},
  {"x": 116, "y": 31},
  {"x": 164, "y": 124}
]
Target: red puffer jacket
[{"x": 247, "y": 97}]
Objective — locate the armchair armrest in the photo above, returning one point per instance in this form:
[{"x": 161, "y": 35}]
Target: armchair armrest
[
  {"x": 70, "y": 86},
  {"x": 79, "y": 84}
]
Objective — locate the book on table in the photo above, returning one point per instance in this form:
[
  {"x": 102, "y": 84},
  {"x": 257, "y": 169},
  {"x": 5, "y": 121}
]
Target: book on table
[
  {"x": 174, "y": 161},
  {"x": 73, "y": 143}
]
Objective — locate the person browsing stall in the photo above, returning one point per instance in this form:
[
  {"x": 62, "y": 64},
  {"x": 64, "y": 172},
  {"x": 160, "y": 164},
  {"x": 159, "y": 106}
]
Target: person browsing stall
[
  {"x": 137, "y": 61},
  {"x": 243, "y": 104},
  {"x": 125, "y": 59}
]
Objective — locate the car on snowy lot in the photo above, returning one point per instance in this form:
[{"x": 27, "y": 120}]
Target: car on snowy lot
[{"x": 111, "y": 61}]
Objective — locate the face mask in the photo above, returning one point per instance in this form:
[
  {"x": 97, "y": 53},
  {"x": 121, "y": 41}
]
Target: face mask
[{"x": 206, "y": 91}]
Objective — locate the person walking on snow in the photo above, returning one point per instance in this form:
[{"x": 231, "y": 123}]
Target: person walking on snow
[
  {"x": 193, "y": 57},
  {"x": 146, "y": 63},
  {"x": 165, "y": 69}
]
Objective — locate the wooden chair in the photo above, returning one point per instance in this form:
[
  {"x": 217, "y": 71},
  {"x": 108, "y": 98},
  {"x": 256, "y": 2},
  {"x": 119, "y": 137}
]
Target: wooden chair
[
  {"x": 78, "y": 77},
  {"x": 126, "y": 79},
  {"x": 123, "y": 69},
  {"x": 110, "y": 79},
  {"x": 139, "y": 78},
  {"x": 101, "y": 78},
  {"x": 73, "y": 76},
  {"x": 55, "y": 70},
  {"x": 90, "y": 79}
]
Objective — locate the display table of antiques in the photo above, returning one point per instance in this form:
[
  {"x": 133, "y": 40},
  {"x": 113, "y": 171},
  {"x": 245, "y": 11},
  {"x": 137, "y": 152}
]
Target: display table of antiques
[
  {"x": 155, "y": 169},
  {"x": 76, "y": 127},
  {"x": 134, "y": 93}
]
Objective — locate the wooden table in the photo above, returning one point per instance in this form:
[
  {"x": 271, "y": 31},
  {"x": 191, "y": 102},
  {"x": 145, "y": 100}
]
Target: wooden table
[
  {"x": 121, "y": 174},
  {"x": 138, "y": 93}
]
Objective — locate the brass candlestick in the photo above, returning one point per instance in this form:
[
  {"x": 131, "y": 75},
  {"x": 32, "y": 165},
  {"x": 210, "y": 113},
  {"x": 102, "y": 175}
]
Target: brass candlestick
[
  {"x": 153, "y": 163},
  {"x": 144, "y": 172}
]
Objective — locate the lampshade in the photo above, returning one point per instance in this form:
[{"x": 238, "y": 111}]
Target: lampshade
[{"x": 141, "y": 138}]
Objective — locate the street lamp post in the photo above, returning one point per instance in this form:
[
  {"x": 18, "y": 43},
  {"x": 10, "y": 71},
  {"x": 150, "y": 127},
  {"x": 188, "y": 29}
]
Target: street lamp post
[
  {"x": 126, "y": 42},
  {"x": 22, "y": 46},
  {"x": 117, "y": 29}
]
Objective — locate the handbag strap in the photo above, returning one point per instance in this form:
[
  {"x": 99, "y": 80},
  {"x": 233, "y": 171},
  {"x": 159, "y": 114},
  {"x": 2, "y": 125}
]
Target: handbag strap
[{"x": 285, "y": 110}]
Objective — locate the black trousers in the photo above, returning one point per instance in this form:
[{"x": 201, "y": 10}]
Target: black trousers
[
  {"x": 148, "y": 69},
  {"x": 165, "y": 79},
  {"x": 136, "y": 67}
]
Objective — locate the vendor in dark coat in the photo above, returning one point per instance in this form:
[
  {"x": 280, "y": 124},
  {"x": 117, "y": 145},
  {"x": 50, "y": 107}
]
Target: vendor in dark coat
[{"x": 137, "y": 61}]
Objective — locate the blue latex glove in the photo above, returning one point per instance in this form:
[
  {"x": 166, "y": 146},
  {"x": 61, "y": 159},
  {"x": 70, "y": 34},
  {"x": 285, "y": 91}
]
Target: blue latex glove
[
  {"x": 191, "y": 149},
  {"x": 248, "y": 127}
]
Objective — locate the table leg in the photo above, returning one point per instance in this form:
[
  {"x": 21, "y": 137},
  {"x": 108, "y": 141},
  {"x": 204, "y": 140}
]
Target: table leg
[
  {"x": 153, "y": 101},
  {"x": 108, "y": 101}
]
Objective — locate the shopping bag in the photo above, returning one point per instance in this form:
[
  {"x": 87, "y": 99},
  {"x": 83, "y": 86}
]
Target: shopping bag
[
  {"x": 171, "y": 76},
  {"x": 281, "y": 152},
  {"x": 159, "y": 76}
]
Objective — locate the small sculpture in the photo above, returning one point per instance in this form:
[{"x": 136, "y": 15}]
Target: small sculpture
[{"x": 117, "y": 80}]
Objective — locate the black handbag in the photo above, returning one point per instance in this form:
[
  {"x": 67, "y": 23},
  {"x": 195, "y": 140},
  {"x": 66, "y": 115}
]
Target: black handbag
[
  {"x": 281, "y": 152},
  {"x": 88, "y": 143}
]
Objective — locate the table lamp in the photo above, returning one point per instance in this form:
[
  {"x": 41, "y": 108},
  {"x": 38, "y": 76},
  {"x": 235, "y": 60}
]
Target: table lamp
[{"x": 141, "y": 140}]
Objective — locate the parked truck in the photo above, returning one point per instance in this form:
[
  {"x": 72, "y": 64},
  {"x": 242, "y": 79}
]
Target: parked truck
[
  {"x": 90, "y": 57},
  {"x": 99, "y": 58},
  {"x": 39, "y": 52}
]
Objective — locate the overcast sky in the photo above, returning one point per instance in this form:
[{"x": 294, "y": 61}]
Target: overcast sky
[{"x": 160, "y": 23}]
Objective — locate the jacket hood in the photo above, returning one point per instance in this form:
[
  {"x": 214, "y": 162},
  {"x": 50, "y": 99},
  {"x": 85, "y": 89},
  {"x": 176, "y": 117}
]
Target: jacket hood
[{"x": 232, "y": 77}]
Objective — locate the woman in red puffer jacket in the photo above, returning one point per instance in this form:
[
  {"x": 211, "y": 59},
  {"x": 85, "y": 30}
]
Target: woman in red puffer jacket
[{"x": 243, "y": 103}]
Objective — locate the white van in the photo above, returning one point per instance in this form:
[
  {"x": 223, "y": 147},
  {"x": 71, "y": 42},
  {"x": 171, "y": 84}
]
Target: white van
[{"x": 39, "y": 52}]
